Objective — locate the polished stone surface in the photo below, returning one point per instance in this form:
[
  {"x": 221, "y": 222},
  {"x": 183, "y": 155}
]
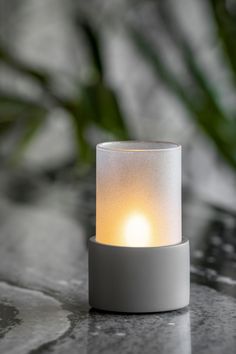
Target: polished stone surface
[{"x": 43, "y": 281}]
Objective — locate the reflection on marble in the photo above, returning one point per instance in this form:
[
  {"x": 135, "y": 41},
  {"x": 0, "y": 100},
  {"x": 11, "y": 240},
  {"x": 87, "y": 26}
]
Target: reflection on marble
[
  {"x": 207, "y": 326},
  {"x": 168, "y": 333}
]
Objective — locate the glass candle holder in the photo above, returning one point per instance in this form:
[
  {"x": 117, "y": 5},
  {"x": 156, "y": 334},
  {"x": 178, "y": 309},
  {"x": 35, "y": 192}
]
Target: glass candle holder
[{"x": 138, "y": 194}]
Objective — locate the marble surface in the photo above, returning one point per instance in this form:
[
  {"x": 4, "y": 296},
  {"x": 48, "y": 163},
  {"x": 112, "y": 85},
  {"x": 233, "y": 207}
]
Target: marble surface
[{"x": 43, "y": 283}]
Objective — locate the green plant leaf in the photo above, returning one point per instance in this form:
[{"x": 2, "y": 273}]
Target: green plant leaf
[
  {"x": 100, "y": 106},
  {"x": 8, "y": 58},
  {"x": 226, "y": 27},
  {"x": 18, "y": 112},
  {"x": 203, "y": 109},
  {"x": 93, "y": 44},
  {"x": 32, "y": 126}
]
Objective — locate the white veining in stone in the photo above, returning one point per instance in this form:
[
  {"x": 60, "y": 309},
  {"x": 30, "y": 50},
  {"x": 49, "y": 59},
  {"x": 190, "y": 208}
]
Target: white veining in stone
[{"x": 41, "y": 320}]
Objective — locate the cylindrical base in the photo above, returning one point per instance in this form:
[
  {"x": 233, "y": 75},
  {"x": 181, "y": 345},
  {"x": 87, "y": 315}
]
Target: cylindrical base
[{"x": 138, "y": 279}]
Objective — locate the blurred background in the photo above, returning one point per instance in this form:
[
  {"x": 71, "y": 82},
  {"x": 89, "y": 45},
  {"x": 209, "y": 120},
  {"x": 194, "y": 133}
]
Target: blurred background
[{"x": 75, "y": 73}]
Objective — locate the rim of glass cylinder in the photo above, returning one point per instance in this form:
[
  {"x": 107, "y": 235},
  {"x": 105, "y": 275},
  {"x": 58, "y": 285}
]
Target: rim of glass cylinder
[{"x": 137, "y": 146}]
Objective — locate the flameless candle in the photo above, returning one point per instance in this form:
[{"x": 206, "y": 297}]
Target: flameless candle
[
  {"x": 138, "y": 194},
  {"x": 138, "y": 261}
]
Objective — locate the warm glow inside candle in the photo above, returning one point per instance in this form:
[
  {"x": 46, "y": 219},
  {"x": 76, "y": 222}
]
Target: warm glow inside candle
[
  {"x": 138, "y": 201},
  {"x": 137, "y": 230}
]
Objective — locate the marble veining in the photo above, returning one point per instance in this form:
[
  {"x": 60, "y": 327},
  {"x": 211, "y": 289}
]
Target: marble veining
[{"x": 39, "y": 319}]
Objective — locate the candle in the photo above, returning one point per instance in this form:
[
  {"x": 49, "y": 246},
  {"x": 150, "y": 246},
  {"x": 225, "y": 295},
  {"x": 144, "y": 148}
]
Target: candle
[
  {"x": 138, "y": 261},
  {"x": 138, "y": 200}
]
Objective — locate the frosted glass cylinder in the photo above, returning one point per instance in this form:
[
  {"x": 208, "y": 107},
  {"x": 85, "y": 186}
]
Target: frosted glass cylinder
[{"x": 138, "y": 194}]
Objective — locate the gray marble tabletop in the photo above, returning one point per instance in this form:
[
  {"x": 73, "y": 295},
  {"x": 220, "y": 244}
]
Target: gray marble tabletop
[{"x": 44, "y": 289}]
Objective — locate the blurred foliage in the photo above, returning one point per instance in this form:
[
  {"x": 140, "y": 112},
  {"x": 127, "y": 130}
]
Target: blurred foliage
[
  {"x": 199, "y": 98},
  {"x": 96, "y": 103}
]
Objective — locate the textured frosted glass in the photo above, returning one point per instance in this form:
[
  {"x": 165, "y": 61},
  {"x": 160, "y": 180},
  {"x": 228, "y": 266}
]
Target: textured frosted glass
[{"x": 138, "y": 197}]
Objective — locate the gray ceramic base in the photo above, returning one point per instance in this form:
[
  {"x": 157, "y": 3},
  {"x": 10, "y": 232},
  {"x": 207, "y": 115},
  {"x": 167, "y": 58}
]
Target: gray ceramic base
[{"x": 138, "y": 279}]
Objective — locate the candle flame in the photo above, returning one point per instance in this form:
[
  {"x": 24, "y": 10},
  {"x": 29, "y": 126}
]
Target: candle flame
[{"x": 137, "y": 231}]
